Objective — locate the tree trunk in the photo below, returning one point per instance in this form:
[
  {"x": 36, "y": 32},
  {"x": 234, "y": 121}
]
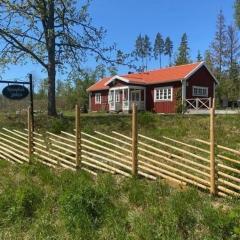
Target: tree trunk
[
  {"x": 51, "y": 91},
  {"x": 51, "y": 62}
]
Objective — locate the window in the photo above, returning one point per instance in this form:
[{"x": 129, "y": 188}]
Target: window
[
  {"x": 125, "y": 95},
  {"x": 163, "y": 94},
  {"x": 200, "y": 91},
  {"x": 117, "y": 96},
  {"x": 97, "y": 98},
  {"x": 110, "y": 96}
]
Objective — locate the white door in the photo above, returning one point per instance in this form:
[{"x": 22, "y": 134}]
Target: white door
[
  {"x": 111, "y": 101},
  {"x": 136, "y": 97}
]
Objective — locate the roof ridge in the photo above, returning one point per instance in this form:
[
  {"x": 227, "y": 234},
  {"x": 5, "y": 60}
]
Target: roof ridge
[{"x": 158, "y": 69}]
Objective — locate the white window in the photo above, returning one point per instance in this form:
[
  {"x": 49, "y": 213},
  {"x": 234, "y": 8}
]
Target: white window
[
  {"x": 125, "y": 95},
  {"x": 200, "y": 91},
  {"x": 163, "y": 94},
  {"x": 110, "y": 96},
  {"x": 98, "y": 98}
]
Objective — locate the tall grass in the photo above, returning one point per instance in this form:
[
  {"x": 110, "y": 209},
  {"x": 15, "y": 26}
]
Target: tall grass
[{"x": 39, "y": 203}]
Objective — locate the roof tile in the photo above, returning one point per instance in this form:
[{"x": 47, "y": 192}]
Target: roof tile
[{"x": 162, "y": 75}]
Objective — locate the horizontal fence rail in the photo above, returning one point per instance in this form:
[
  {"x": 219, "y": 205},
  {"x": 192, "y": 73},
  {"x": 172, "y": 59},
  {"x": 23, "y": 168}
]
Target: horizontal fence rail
[{"x": 187, "y": 163}]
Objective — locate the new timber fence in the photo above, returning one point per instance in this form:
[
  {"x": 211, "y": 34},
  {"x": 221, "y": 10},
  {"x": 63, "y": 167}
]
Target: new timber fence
[{"x": 200, "y": 163}]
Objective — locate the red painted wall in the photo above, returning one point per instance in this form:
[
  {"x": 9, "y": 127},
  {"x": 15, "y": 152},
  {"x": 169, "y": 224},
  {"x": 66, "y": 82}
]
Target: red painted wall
[
  {"x": 201, "y": 78},
  {"x": 104, "y": 102},
  {"x": 162, "y": 106}
]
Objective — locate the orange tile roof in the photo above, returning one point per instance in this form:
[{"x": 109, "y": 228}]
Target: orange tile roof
[{"x": 162, "y": 75}]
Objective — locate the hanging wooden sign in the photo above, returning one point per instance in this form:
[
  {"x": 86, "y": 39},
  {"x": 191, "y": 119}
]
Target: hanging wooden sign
[{"x": 15, "y": 92}]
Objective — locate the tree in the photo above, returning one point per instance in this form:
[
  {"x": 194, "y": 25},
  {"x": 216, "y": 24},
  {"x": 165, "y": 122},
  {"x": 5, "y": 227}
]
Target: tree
[
  {"x": 208, "y": 60},
  {"x": 234, "y": 89},
  {"x": 53, "y": 33},
  {"x": 183, "y": 51},
  {"x": 199, "y": 56},
  {"x": 237, "y": 12},
  {"x": 219, "y": 45},
  {"x": 232, "y": 46},
  {"x": 147, "y": 50},
  {"x": 158, "y": 48},
  {"x": 139, "y": 50},
  {"x": 168, "y": 49},
  {"x": 143, "y": 50}
]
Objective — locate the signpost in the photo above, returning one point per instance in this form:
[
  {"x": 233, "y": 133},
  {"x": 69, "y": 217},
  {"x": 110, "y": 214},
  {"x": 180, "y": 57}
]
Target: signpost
[{"x": 17, "y": 91}]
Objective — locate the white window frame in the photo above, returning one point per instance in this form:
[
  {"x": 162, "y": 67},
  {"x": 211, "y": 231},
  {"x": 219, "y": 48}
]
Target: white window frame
[
  {"x": 201, "y": 89},
  {"x": 98, "y": 98},
  {"x": 110, "y": 96},
  {"x": 158, "y": 97}
]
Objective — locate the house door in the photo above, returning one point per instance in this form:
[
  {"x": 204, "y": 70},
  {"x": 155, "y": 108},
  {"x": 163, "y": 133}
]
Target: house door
[
  {"x": 111, "y": 101},
  {"x": 136, "y": 97}
]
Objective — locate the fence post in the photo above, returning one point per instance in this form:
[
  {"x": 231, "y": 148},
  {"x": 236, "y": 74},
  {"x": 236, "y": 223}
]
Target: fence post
[
  {"x": 212, "y": 149},
  {"x": 30, "y": 135},
  {"x": 134, "y": 140},
  {"x": 78, "y": 137}
]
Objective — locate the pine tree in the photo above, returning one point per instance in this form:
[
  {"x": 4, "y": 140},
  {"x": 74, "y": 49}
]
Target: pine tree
[
  {"x": 199, "y": 56},
  {"x": 139, "y": 49},
  {"x": 183, "y": 51},
  {"x": 147, "y": 50},
  {"x": 208, "y": 60},
  {"x": 168, "y": 49},
  {"x": 232, "y": 46},
  {"x": 219, "y": 45},
  {"x": 158, "y": 48}
]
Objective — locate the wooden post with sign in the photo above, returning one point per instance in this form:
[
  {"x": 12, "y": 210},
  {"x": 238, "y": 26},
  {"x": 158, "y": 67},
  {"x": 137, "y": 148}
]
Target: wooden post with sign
[
  {"x": 30, "y": 135},
  {"x": 134, "y": 140},
  {"x": 212, "y": 150},
  {"x": 78, "y": 137}
]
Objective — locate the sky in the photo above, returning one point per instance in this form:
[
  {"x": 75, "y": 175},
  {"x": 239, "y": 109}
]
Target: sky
[{"x": 124, "y": 20}]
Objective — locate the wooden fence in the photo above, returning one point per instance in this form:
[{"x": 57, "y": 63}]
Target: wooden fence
[{"x": 200, "y": 163}]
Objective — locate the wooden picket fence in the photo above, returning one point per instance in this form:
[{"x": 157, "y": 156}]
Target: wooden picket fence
[{"x": 200, "y": 163}]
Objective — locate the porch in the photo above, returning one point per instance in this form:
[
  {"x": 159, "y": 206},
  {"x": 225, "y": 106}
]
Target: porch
[
  {"x": 121, "y": 98},
  {"x": 198, "y": 103}
]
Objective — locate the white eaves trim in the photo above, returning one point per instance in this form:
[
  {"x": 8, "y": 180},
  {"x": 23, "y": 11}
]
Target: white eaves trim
[
  {"x": 199, "y": 66},
  {"x": 116, "y": 77}
]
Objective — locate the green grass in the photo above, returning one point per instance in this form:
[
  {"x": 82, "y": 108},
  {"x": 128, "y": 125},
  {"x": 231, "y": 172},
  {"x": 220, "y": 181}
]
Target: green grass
[
  {"x": 40, "y": 203},
  {"x": 181, "y": 127}
]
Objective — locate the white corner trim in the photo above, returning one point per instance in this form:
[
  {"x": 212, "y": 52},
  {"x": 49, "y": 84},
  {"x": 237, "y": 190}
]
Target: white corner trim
[
  {"x": 197, "y": 67},
  {"x": 116, "y": 77},
  {"x": 194, "y": 70},
  {"x": 211, "y": 74}
]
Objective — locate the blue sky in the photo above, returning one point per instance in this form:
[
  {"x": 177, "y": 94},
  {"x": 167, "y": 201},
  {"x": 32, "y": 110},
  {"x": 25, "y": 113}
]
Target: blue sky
[{"x": 125, "y": 19}]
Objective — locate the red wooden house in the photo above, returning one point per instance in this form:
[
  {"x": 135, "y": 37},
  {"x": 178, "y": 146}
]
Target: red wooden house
[{"x": 161, "y": 91}]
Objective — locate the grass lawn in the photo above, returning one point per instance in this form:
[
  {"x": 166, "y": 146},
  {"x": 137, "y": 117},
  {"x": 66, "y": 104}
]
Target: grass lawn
[
  {"x": 181, "y": 127},
  {"x": 40, "y": 203}
]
